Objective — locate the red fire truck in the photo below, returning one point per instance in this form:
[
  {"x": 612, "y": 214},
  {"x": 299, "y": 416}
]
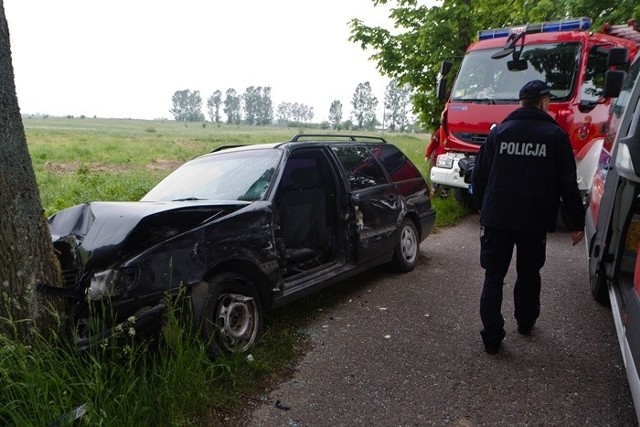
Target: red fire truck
[{"x": 566, "y": 54}]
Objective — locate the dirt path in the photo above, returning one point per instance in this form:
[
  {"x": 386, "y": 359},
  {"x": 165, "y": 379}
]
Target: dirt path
[{"x": 405, "y": 350}]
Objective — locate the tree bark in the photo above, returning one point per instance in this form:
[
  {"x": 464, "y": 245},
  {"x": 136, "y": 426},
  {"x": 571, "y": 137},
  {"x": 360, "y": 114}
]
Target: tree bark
[{"x": 27, "y": 257}]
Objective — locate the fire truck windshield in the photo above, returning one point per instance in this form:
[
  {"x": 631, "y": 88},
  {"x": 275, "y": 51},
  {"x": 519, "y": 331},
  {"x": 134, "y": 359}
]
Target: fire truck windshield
[{"x": 482, "y": 78}]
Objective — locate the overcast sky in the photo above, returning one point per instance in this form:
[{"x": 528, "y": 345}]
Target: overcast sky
[{"x": 126, "y": 58}]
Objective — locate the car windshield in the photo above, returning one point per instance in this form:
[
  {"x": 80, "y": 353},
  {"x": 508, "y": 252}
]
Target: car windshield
[
  {"x": 482, "y": 78},
  {"x": 243, "y": 175}
]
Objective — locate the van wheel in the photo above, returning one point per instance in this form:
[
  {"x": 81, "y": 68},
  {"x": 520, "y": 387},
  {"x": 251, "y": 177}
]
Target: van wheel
[
  {"x": 405, "y": 255},
  {"x": 599, "y": 288},
  {"x": 229, "y": 313}
]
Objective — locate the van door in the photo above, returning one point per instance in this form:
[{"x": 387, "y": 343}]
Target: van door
[{"x": 604, "y": 191}]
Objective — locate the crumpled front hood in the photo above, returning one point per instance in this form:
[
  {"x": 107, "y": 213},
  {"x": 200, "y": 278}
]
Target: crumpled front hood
[{"x": 102, "y": 229}]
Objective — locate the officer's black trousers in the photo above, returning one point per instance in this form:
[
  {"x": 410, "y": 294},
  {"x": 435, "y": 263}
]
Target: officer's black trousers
[{"x": 496, "y": 249}]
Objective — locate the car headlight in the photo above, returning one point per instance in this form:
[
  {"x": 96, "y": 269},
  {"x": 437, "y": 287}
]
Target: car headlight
[
  {"x": 444, "y": 161},
  {"x": 111, "y": 283}
]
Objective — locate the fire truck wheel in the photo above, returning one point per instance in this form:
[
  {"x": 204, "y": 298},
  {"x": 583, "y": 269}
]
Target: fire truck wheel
[{"x": 465, "y": 199}]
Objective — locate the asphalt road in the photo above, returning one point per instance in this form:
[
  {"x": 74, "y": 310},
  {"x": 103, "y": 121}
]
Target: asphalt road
[{"x": 405, "y": 350}]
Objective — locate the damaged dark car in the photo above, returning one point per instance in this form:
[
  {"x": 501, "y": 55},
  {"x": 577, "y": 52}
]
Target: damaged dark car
[{"x": 242, "y": 230}]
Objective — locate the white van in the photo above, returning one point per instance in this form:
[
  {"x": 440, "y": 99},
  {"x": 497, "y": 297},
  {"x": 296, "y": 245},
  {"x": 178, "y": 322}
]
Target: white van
[{"x": 612, "y": 225}]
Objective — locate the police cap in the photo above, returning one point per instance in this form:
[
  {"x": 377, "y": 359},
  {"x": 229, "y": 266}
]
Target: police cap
[{"x": 534, "y": 89}]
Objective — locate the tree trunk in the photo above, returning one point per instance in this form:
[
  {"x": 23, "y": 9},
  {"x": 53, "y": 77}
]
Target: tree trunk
[{"x": 26, "y": 252}]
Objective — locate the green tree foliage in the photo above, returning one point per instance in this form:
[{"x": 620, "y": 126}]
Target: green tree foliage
[
  {"x": 213, "y": 106},
  {"x": 294, "y": 113},
  {"x": 232, "y": 106},
  {"x": 426, "y": 35},
  {"x": 396, "y": 104},
  {"x": 187, "y": 106},
  {"x": 251, "y": 102},
  {"x": 335, "y": 114},
  {"x": 257, "y": 106},
  {"x": 364, "y": 106},
  {"x": 265, "y": 107},
  {"x": 618, "y": 12}
]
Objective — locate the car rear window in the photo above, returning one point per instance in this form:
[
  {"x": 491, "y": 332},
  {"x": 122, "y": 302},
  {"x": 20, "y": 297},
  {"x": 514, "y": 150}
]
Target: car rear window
[{"x": 399, "y": 167}]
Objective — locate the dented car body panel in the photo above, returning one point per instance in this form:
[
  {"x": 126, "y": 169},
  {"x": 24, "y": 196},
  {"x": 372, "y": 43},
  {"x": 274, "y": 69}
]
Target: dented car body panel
[{"x": 288, "y": 219}]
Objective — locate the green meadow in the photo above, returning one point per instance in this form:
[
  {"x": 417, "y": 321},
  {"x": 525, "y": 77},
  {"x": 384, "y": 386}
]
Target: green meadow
[{"x": 169, "y": 381}]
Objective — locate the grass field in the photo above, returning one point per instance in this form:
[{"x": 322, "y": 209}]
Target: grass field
[{"x": 79, "y": 160}]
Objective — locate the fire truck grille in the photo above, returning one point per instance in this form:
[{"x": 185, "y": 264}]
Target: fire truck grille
[{"x": 471, "y": 138}]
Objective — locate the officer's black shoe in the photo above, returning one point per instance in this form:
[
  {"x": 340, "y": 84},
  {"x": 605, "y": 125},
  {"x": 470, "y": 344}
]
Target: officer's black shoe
[
  {"x": 524, "y": 331},
  {"x": 492, "y": 348}
]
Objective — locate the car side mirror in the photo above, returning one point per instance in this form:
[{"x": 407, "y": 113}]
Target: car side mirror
[
  {"x": 617, "y": 56},
  {"x": 517, "y": 65},
  {"x": 442, "y": 89},
  {"x": 613, "y": 80},
  {"x": 445, "y": 67}
]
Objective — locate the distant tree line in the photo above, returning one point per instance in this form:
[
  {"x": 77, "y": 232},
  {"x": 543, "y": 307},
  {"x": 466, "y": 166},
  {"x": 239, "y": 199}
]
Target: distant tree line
[{"x": 255, "y": 107}]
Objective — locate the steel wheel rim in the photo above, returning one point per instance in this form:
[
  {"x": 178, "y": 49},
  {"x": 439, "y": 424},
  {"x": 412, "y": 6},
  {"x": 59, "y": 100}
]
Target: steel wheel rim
[
  {"x": 236, "y": 319},
  {"x": 408, "y": 244}
]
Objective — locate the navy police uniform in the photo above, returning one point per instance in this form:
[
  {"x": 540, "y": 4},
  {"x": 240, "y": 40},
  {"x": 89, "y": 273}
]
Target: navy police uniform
[{"x": 521, "y": 173}]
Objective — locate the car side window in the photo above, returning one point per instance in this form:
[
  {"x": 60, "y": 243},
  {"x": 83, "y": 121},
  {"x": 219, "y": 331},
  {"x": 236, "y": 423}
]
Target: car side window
[
  {"x": 399, "y": 167},
  {"x": 363, "y": 171}
]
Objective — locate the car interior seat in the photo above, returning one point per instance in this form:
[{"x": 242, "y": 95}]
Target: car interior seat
[{"x": 303, "y": 216}]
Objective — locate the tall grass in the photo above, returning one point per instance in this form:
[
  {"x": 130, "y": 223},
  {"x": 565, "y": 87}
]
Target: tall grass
[{"x": 168, "y": 381}]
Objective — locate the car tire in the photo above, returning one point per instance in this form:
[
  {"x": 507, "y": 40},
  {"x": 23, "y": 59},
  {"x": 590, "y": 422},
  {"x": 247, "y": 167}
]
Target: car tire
[
  {"x": 599, "y": 288},
  {"x": 407, "y": 250},
  {"x": 228, "y": 311}
]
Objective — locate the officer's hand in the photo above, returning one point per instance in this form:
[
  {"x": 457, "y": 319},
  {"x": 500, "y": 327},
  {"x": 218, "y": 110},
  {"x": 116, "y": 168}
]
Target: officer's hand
[{"x": 576, "y": 237}]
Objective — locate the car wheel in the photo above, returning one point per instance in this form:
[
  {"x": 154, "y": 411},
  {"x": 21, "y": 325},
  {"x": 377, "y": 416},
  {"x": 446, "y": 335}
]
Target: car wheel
[
  {"x": 405, "y": 256},
  {"x": 599, "y": 288},
  {"x": 231, "y": 316}
]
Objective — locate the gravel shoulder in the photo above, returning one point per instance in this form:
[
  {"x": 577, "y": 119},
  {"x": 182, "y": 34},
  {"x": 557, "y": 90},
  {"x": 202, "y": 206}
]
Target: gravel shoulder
[{"x": 405, "y": 350}]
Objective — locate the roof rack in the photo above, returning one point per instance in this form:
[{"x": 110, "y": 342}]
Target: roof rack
[
  {"x": 352, "y": 138},
  {"x": 630, "y": 31},
  {"x": 226, "y": 147}
]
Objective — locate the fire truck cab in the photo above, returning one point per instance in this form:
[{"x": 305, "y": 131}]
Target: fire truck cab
[{"x": 566, "y": 54}]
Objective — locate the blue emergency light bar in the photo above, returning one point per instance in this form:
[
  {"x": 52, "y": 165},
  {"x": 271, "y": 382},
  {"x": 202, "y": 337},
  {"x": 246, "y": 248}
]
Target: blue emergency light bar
[{"x": 579, "y": 24}]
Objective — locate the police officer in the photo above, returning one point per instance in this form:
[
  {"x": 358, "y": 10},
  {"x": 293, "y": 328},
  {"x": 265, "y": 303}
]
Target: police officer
[{"x": 522, "y": 172}]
